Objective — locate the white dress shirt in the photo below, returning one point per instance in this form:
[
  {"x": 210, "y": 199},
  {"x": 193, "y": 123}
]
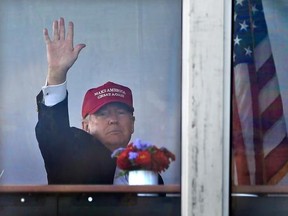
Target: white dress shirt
[{"x": 54, "y": 94}]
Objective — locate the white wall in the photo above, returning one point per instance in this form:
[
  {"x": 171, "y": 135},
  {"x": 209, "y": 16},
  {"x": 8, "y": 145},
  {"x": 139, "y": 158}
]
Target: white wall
[{"x": 133, "y": 42}]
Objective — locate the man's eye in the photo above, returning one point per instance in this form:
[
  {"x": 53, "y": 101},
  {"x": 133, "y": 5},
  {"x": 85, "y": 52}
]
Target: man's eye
[
  {"x": 102, "y": 113},
  {"x": 122, "y": 112}
]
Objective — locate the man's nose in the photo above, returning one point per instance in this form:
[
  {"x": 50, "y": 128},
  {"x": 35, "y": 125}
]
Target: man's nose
[{"x": 113, "y": 118}]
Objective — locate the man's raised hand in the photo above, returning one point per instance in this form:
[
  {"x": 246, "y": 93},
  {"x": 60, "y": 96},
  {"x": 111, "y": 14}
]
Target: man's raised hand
[{"x": 61, "y": 54}]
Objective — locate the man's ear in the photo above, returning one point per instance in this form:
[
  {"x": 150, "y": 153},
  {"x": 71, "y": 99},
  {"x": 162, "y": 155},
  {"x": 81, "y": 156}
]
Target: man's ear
[{"x": 85, "y": 125}]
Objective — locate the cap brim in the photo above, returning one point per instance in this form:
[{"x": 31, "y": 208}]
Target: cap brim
[{"x": 130, "y": 108}]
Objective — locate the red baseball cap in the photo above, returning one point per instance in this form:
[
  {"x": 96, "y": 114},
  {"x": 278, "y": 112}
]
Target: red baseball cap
[{"x": 96, "y": 98}]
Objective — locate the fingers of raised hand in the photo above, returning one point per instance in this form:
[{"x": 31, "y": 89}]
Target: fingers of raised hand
[
  {"x": 59, "y": 35},
  {"x": 62, "y": 29},
  {"x": 59, "y": 29},
  {"x": 55, "y": 28},
  {"x": 70, "y": 33},
  {"x": 46, "y": 36},
  {"x": 78, "y": 48}
]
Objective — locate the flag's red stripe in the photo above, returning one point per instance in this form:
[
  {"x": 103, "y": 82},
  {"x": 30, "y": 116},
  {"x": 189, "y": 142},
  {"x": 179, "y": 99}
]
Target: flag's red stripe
[
  {"x": 266, "y": 72},
  {"x": 272, "y": 114},
  {"x": 276, "y": 159}
]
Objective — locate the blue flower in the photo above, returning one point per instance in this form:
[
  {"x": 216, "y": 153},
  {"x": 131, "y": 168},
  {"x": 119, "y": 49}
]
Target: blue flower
[
  {"x": 132, "y": 155},
  {"x": 141, "y": 145},
  {"x": 137, "y": 143}
]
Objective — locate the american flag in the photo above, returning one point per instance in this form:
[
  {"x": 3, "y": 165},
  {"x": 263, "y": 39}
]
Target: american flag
[{"x": 259, "y": 137}]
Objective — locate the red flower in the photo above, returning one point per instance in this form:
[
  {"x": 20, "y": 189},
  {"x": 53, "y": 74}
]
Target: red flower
[
  {"x": 169, "y": 154},
  {"x": 123, "y": 161},
  {"x": 160, "y": 161},
  {"x": 143, "y": 159}
]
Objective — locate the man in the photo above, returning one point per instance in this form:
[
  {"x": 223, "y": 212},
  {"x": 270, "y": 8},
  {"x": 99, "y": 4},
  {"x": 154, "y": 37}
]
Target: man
[{"x": 71, "y": 155}]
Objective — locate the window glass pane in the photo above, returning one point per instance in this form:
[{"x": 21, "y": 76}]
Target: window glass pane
[
  {"x": 259, "y": 144},
  {"x": 135, "y": 43}
]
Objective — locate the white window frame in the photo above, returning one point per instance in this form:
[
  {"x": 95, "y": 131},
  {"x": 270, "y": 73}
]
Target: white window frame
[{"x": 205, "y": 184}]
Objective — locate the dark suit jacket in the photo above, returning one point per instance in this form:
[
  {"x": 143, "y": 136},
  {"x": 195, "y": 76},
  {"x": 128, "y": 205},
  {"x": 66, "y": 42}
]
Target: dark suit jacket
[{"x": 71, "y": 155}]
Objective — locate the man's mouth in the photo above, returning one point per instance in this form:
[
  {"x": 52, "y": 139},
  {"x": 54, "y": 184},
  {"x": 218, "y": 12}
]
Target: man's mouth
[{"x": 114, "y": 131}]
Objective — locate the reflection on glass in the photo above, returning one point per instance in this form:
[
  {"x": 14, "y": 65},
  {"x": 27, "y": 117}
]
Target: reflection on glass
[
  {"x": 135, "y": 43},
  {"x": 260, "y": 144},
  {"x": 259, "y": 148}
]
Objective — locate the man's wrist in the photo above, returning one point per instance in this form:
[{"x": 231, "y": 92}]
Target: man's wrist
[{"x": 55, "y": 80}]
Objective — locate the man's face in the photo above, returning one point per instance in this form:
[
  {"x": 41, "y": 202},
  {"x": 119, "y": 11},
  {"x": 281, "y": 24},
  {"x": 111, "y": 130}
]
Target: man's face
[{"x": 112, "y": 125}]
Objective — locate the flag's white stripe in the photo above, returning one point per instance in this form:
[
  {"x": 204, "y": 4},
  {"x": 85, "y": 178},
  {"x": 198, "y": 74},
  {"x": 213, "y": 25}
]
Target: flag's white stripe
[
  {"x": 262, "y": 53},
  {"x": 268, "y": 94},
  {"x": 243, "y": 99},
  {"x": 274, "y": 136},
  {"x": 235, "y": 173},
  {"x": 1, "y": 173}
]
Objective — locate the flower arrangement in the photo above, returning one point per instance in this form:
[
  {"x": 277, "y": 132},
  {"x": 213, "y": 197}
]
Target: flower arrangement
[{"x": 140, "y": 155}]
